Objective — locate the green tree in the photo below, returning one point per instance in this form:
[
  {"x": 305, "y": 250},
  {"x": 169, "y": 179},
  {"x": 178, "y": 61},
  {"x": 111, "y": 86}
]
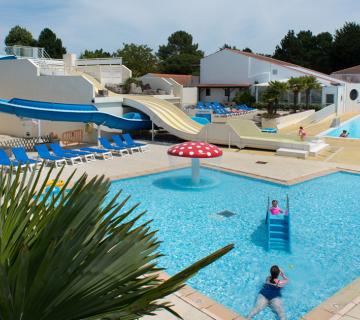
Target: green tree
[
  {"x": 138, "y": 58},
  {"x": 309, "y": 83},
  {"x": 247, "y": 49},
  {"x": 74, "y": 255},
  {"x": 51, "y": 44},
  {"x": 277, "y": 89},
  {"x": 346, "y": 48},
  {"x": 180, "y": 55},
  {"x": 19, "y": 36},
  {"x": 306, "y": 49},
  {"x": 98, "y": 53},
  {"x": 296, "y": 85},
  {"x": 228, "y": 46}
]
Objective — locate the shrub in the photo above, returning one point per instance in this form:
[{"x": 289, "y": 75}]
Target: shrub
[
  {"x": 129, "y": 81},
  {"x": 244, "y": 97}
]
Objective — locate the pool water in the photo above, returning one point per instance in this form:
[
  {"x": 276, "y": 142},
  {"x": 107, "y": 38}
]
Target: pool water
[
  {"x": 351, "y": 126},
  {"x": 325, "y": 215}
]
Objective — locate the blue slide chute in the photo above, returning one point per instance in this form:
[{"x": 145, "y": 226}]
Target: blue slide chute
[{"x": 85, "y": 113}]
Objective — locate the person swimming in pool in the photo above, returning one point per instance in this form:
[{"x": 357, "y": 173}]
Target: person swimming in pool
[
  {"x": 270, "y": 294},
  {"x": 275, "y": 210},
  {"x": 344, "y": 134}
]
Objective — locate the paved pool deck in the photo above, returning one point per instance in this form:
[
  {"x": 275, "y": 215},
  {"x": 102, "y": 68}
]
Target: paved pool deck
[{"x": 192, "y": 305}]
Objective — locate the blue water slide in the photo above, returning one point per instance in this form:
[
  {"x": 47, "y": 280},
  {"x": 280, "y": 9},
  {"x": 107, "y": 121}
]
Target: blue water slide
[{"x": 85, "y": 113}]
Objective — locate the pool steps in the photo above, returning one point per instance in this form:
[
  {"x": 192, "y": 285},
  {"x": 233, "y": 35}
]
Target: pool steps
[{"x": 278, "y": 230}]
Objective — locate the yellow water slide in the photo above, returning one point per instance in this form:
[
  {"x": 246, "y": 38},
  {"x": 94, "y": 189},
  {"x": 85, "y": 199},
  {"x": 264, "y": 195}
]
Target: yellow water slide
[
  {"x": 163, "y": 113},
  {"x": 166, "y": 115}
]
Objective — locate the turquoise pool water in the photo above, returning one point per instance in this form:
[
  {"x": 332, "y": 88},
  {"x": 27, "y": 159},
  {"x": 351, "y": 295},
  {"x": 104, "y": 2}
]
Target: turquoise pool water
[
  {"x": 352, "y": 127},
  {"x": 325, "y": 234}
]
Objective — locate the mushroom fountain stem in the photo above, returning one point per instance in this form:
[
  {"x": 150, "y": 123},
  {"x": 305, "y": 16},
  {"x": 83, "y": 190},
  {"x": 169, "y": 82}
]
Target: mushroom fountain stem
[{"x": 195, "y": 170}]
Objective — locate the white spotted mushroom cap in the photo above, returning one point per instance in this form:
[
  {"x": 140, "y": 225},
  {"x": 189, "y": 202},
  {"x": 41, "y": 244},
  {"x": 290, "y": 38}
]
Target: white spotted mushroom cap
[{"x": 192, "y": 149}]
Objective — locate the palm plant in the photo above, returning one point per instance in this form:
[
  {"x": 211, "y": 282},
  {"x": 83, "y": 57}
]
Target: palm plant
[
  {"x": 278, "y": 88},
  {"x": 296, "y": 85},
  {"x": 310, "y": 83},
  {"x": 76, "y": 256},
  {"x": 270, "y": 96}
]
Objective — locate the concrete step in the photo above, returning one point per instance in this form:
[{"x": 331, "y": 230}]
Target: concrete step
[{"x": 292, "y": 153}]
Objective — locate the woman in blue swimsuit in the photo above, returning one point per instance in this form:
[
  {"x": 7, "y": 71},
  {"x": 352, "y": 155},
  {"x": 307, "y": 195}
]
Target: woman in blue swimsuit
[{"x": 270, "y": 294}]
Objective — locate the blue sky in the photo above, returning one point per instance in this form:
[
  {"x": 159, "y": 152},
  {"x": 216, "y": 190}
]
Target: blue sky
[{"x": 258, "y": 24}]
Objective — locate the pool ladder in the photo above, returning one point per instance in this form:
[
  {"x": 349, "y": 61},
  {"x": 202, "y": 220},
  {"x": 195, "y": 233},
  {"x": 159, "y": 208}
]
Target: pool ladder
[{"x": 278, "y": 229}]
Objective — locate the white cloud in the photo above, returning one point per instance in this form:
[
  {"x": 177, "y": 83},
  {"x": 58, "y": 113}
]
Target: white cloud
[{"x": 258, "y": 24}]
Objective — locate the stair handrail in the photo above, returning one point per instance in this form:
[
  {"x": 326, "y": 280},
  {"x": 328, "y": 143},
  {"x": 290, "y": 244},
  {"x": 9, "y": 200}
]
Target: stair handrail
[
  {"x": 288, "y": 218},
  {"x": 267, "y": 211},
  {"x": 268, "y": 224}
]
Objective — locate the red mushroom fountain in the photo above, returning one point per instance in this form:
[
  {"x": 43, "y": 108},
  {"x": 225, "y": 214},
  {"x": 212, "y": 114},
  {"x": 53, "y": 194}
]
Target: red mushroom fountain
[{"x": 195, "y": 151}]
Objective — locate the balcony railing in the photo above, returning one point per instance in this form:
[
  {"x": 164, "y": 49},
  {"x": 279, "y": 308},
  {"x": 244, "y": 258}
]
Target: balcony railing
[{"x": 26, "y": 52}]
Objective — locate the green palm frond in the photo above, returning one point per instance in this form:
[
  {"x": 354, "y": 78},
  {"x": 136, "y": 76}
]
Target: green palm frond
[{"x": 75, "y": 256}]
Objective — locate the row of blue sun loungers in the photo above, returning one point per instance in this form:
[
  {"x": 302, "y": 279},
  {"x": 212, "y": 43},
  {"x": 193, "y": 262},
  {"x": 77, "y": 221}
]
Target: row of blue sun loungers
[
  {"x": 221, "y": 111},
  {"x": 121, "y": 146}
]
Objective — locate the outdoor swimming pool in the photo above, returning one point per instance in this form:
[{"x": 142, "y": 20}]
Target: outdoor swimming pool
[
  {"x": 352, "y": 127},
  {"x": 325, "y": 234}
]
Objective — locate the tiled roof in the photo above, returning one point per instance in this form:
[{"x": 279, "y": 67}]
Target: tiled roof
[
  {"x": 183, "y": 79},
  {"x": 351, "y": 70}
]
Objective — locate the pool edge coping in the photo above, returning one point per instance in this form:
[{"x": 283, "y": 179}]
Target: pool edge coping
[{"x": 332, "y": 308}]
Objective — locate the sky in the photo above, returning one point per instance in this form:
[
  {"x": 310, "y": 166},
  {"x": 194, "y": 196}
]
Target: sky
[{"x": 94, "y": 24}]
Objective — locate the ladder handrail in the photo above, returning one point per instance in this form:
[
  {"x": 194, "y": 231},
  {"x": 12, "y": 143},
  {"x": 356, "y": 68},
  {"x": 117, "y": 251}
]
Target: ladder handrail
[
  {"x": 267, "y": 211},
  {"x": 288, "y": 218}
]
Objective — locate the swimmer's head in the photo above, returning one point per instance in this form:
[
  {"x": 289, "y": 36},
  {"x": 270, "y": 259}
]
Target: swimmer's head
[
  {"x": 274, "y": 203},
  {"x": 274, "y": 272}
]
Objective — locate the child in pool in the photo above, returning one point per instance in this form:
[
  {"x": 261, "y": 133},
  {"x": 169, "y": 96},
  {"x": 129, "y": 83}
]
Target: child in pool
[{"x": 275, "y": 210}]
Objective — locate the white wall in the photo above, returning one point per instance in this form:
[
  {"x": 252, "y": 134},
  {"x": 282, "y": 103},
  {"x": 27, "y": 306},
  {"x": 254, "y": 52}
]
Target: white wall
[
  {"x": 103, "y": 73},
  {"x": 158, "y": 83},
  {"x": 20, "y": 79},
  {"x": 228, "y": 67},
  {"x": 126, "y": 73},
  {"x": 18, "y": 127},
  {"x": 224, "y": 67},
  {"x": 189, "y": 96},
  {"x": 217, "y": 94},
  {"x": 352, "y": 105}
]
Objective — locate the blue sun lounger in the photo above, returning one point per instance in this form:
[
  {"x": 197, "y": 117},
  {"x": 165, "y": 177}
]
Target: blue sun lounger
[
  {"x": 119, "y": 143},
  {"x": 6, "y": 162},
  {"x": 117, "y": 150},
  {"x": 72, "y": 159},
  {"x": 44, "y": 154},
  {"x": 22, "y": 157},
  {"x": 130, "y": 143},
  {"x": 101, "y": 153},
  {"x": 59, "y": 151}
]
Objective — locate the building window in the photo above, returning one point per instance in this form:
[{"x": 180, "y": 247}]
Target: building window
[
  {"x": 227, "y": 92},
  {"x": 274, "y": 72},
  {"x": 329, "y": 99},
  {"x": 354, "y": 94},
  {"x": 207, "y": 92}
]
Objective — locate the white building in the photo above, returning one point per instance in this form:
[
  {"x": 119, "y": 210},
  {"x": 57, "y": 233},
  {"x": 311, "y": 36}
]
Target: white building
[
  {"x": 225, "y": 72},
  {"x": 349, "y": 74},
  {"x": 181, "y": 87}
]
